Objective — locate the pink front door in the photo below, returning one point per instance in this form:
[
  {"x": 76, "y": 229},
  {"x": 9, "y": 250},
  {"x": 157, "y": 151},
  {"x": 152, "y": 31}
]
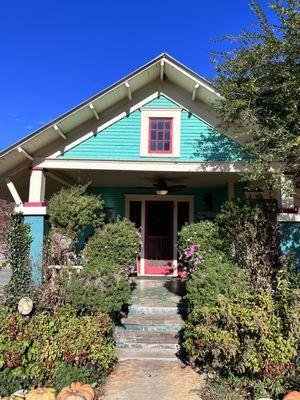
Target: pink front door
[{"x": 159, "y": 237}]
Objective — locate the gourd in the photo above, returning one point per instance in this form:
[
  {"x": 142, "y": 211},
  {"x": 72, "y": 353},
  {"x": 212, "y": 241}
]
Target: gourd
[
  {"x": 77, "y": 391},
  {"x": 41, "y": 394},
  {"x": 292, "y": 396}
]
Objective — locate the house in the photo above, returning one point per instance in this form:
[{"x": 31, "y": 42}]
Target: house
[{"x": 152, "y": 145}]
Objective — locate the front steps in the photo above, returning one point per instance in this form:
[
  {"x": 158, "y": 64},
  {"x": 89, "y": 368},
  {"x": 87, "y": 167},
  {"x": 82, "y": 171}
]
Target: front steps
[{"x": 149, "y": 333}]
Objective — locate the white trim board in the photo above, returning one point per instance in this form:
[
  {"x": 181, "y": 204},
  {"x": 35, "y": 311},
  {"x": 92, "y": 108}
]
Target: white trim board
[{"x": 142, "y": 165}]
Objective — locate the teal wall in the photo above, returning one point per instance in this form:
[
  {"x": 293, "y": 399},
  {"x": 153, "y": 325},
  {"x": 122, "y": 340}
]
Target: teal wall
[
  {"x": 115, "y": 197},
  {"x": 121, "y": 141},
  {"x": 290, "y": 240},
  {"x": 38, "y": 228}
]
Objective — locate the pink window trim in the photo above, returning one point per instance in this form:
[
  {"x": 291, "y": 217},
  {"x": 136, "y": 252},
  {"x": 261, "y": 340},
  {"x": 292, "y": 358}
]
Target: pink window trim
[
  {"x": 171, "y": 137},
  {"x": 34, "y": 204}
]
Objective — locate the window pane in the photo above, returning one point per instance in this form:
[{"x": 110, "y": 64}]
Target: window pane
[
  {"x": 160, "y": 146},
  {"x": 160, "y": 124},
  {"x": 167, "y": 146},
  {"x": 153, "y": 123},
  {"x": 167, "y": 135},
  {"x": 153, "y": 146},
  {"x": 160, "y": 135},
  {"x": 167, "y": 125},
  {"x": 153, "y": 135}
]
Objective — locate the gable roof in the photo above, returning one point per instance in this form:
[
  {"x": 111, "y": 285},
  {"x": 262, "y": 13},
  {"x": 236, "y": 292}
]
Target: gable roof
[{"x": 162, "y": 67}]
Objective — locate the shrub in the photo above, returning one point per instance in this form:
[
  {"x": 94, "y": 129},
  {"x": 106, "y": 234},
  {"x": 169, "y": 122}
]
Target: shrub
[
  {"x": 116, "y": 244},
  {"x": 100, "y": 288},
  {"x": 252, "y": 233},
  {"x": 214, "y": 277},
  {"x": 5, "y": 222},
  {"x": 245, "y": 337},
  {"x": 49, "y": 350},
  {"x": 73, "y": 210},
  {"x": 18, "y": 257}
]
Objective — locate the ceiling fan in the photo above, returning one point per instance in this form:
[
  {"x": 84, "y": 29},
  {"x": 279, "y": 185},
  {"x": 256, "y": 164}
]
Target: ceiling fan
[{"x": 161, "y": 187}]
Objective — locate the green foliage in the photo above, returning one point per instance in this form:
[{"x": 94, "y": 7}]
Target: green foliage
[
  {"x": 5, "y": 222},
  {"x": 47, "y": 350},
  {"x": 204, "y": 233},
  {"x": 65, "y": 374},
  {"x": 197, "y": 240},
  {"x": 243, "y": 325},
  {"x": 245, "y": 337},
  {"x": 269, "y": 100},
  {"x": 251, "y": 230},
  {"x": 116, "y": 244},
  {"x": 19, "y": 241},
  {"x": 100, "y": 288},
  {"x": 214, "y": 278},
  {"x": 72, "y": 209}
]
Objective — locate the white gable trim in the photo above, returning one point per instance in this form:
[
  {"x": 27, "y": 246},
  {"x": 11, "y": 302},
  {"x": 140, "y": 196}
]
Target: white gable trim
[{"x": 175, "y": 94}]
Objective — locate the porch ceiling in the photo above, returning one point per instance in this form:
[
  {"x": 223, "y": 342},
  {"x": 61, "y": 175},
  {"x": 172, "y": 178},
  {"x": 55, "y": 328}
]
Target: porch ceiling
[{"x": 147, "y": 178}]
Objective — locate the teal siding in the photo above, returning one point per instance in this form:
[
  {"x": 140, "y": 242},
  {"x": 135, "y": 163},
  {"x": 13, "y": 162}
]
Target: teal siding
[
  {"x": 114, "y": 197},
  {"x": 290, "y": 240},
  {"x": 38, "y": 228},
  {"x": 121, "y": 141}
]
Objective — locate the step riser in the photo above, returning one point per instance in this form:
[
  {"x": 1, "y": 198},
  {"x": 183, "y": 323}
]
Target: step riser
[
  {"x": 148, "y": 328},
  {"x": 148, "y": 346},
  {"x": 133, "y": 310}
]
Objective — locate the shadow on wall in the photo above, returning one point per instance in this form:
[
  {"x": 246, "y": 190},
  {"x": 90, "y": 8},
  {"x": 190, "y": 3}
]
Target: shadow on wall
[
  {"x": 214, "y": 146},
  {"x": 290, "y": 240}
]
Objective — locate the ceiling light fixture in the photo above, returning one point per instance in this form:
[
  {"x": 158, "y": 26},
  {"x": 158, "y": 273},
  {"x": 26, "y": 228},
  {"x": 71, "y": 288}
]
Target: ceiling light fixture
[{"x": 162, "y": 192}]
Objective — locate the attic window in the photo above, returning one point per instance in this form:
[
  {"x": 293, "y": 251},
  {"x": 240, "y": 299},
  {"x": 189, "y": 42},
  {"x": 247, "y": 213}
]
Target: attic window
[
  {"x": 160, "y": 132},
  {"x": 160, "y": 135}
]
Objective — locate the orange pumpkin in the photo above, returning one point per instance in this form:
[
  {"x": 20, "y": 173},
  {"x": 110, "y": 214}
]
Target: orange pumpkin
[
  {"x": 292, "y": 396},
  {"x": 41, "y": 394},
  {"x": 77, "y": 391}
]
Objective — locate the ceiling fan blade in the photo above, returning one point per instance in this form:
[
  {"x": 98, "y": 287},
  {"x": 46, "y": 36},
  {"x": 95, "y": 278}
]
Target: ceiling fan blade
[
  {"x": 176, "y": 188},
  {"x": 145, "y": 187}
]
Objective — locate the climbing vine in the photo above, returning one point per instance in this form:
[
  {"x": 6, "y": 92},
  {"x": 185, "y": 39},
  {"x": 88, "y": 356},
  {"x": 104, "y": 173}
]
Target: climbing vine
[{"x": 18, "y": 258}]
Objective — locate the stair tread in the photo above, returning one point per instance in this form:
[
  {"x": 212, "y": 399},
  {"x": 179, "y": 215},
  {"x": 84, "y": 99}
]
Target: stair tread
[{"x": 151, "y": 354}]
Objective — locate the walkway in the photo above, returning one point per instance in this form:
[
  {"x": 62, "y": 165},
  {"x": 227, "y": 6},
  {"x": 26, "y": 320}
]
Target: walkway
[{"x": 147, "y": 345}]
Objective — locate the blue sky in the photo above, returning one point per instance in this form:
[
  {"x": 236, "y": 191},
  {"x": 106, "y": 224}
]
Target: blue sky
[{"x": 55, "y": 54}]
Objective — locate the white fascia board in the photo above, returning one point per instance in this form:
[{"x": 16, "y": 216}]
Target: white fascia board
[{"x": 153, "y": 166}]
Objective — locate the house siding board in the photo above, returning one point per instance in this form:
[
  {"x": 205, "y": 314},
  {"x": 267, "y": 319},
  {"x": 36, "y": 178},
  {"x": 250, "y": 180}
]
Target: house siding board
[
  {"x": 121, "y": 140},
  {"x": 114, "y": 197}
]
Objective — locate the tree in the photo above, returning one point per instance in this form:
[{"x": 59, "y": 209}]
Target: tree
[
  {"x": 5, "y": 219},
  {"x": 259, "y": 81}
]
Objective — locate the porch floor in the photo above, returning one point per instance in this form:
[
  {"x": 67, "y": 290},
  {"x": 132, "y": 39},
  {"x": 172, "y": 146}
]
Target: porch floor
[{"x": 157, "y": 292}]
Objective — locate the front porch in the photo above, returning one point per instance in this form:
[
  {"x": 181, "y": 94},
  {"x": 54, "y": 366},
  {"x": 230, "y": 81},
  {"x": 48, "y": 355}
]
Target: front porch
[{"x": 129, "y": 192}]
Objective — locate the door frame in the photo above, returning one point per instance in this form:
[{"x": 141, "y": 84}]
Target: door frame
[{"x": 175, "y": 199}]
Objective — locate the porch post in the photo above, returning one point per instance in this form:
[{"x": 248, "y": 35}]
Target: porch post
[
  {"x": 35, "y": 212},
  {"x": 289, "y": 222},
  {"x": 230, "y": 190}
]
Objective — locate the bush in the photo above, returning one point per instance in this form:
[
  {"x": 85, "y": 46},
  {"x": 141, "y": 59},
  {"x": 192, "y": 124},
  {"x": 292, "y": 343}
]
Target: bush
[
  {"x": 50, "y": 350},
  {"x": 244, "y": 337},
  {"x": 252, "y": 233},
  {"x": 98, "y": 289},
  {"x": 214, "y": 277},
  {"x": 116, "y": 244},
  {"x": 20, "y": 283},
  {"x": 72, "y": 209},
  {"x": 197, "y": 240},
  {"x": 5, "y": 223}
]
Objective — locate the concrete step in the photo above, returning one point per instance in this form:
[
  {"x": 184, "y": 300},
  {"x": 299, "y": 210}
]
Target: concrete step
[
  {"x": 147, "y": 354},
  {"x": 150, "y": 327},
  {"x": 152, "y": 319},
  {"x": 148, "y": 346},
  {"x": 138, "y": 309},
  {"x": 162, "y": 335}
]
